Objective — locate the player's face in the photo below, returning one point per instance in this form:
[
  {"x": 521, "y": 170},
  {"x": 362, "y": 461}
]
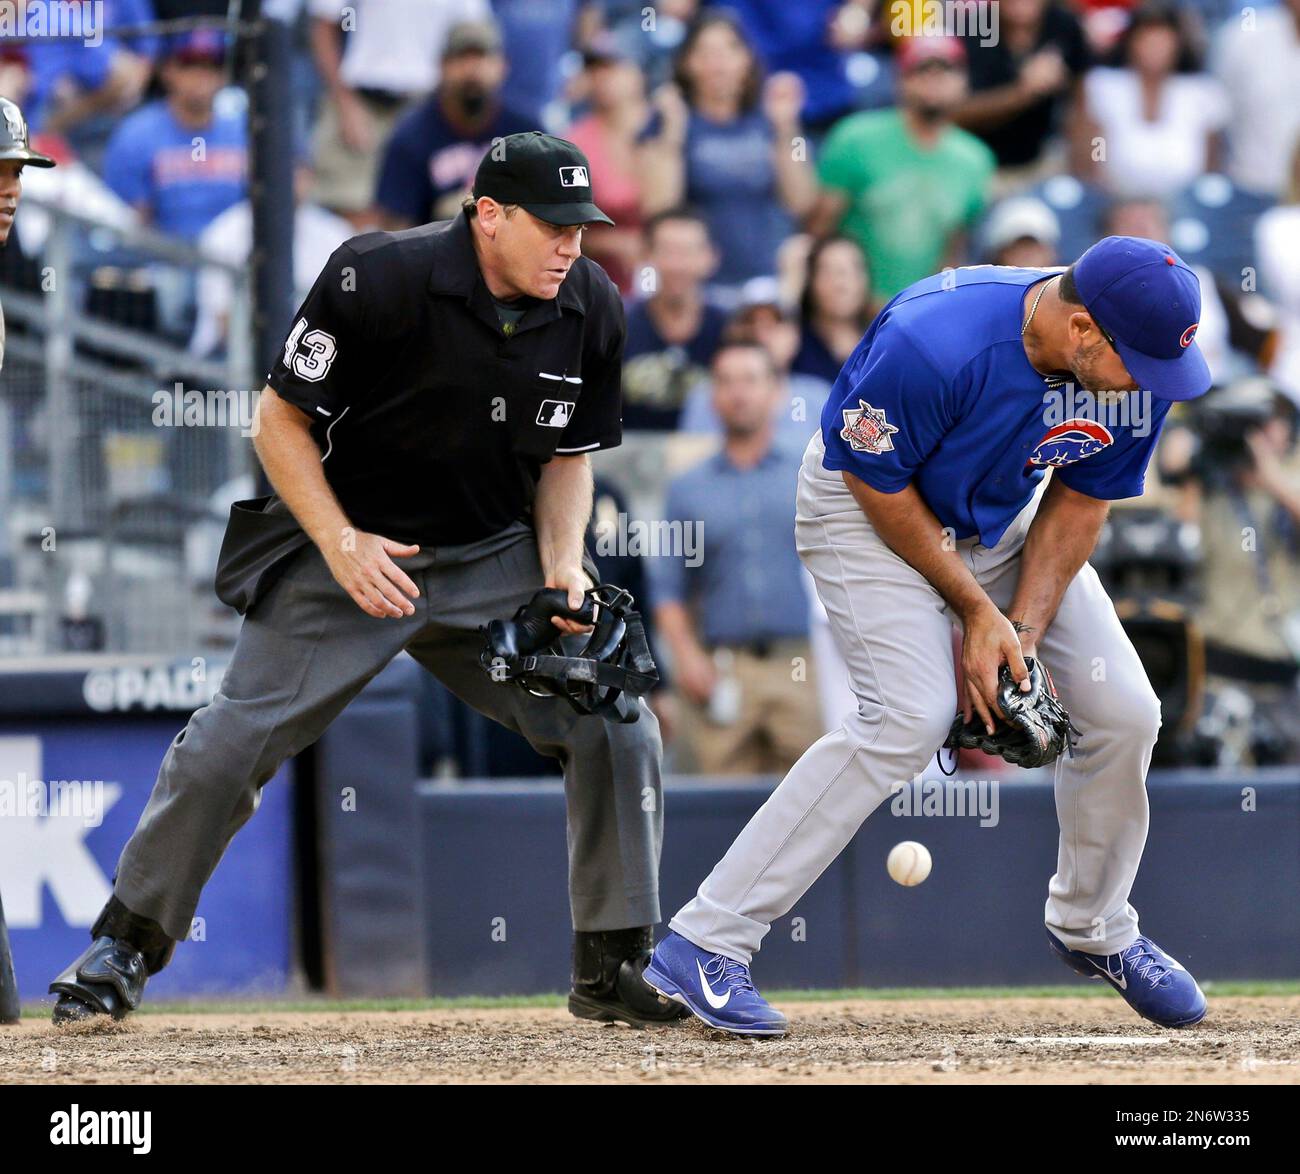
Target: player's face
[
  {"x": 11, "y": 190},
  {"x": 1095, "y": 364},
  {"x": 536, "y": 255}
]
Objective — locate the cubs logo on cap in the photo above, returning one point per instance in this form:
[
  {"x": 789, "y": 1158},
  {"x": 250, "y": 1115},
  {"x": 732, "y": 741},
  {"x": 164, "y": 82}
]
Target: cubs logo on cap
[{"x": 546, "y": 176}]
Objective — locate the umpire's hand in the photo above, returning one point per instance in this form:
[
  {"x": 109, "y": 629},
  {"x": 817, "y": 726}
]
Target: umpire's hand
[
  {"x": 573, "y": 579},
  {"x": 364, "y": 568}
]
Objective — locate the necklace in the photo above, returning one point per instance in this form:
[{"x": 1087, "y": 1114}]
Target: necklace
[{"x": 1037, "y": 298}]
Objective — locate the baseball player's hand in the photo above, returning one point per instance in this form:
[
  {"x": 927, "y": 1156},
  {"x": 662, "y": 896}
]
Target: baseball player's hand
[
  {"x": 990, "y": 641},
  {"x": 366, "y": 571},
  {"x": 576, "y": 582}
]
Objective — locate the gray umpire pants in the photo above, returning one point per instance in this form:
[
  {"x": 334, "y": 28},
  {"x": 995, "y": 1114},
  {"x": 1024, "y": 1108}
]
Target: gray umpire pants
[{"x": 305, "y": 650}]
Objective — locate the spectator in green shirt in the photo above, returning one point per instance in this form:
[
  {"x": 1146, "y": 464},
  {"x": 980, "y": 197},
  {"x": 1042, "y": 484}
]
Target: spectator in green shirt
[{"x": 906, "y": 183}]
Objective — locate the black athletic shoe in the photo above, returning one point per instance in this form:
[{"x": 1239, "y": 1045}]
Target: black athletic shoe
[
  {"x": 108, "y": 979},
  {"x": 607, "y": 982}
]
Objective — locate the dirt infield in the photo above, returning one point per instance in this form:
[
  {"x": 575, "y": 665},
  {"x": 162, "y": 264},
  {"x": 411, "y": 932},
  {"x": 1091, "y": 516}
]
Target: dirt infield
[{"x": 909, "y": 1041}]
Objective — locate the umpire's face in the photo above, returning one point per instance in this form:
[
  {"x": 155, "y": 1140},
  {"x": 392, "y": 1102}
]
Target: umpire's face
[{"x": 529, "y": 255}]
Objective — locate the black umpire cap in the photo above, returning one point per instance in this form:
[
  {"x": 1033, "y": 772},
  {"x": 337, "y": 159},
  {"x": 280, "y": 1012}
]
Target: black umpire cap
[
  {"x": 546, "y": 176},
  {"x": 14, "y": 143}
]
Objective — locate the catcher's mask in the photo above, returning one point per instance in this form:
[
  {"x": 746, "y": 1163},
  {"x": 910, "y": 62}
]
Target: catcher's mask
[{"x": 604, "y": 676}]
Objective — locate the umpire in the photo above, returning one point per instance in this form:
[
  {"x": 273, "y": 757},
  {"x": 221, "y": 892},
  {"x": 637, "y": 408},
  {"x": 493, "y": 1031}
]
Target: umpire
[{"x": 426, "y": 432}]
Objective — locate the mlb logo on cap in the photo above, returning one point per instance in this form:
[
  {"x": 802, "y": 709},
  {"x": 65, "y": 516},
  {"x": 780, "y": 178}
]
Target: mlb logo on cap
[{"x": 523, "y": 168}]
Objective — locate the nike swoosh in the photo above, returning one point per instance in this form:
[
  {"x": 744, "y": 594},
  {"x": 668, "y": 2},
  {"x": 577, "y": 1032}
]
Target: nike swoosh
[
  {"x": 1121, "y": 981},
  {"x": 710, "y": 997}
]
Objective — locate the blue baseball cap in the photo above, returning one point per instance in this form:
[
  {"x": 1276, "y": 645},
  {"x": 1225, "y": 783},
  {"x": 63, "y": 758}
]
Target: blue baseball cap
[{"x": 1148, "y": 304}]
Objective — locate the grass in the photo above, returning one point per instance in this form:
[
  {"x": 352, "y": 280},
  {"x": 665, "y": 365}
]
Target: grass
[{"x": 480, "y": 1003}]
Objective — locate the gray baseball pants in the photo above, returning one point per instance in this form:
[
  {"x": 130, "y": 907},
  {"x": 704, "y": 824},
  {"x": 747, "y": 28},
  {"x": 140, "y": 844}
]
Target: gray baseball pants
[
  {"x": 894, "y": 632},
  {"x": 305, "y": 650}
]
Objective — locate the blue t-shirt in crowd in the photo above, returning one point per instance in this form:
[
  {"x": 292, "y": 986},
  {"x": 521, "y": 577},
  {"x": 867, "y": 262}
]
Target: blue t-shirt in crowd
[
  {"x": 731, "y": 182},
  {"x": 186, "y": 177},
  {"x": 536, "y": 34},
  {"x": 658, "y": 376},
  {"x": 427, "y": 160},
  {"x": 796, "y": 37},
  {"x": 54, "y": 62},
  {"x": 737, "y": 567},
  {"x": 940, "y": 392}
]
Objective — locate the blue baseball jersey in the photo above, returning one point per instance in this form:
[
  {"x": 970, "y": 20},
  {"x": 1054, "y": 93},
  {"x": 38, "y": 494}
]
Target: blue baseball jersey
[{"x": 940, "y": 393}]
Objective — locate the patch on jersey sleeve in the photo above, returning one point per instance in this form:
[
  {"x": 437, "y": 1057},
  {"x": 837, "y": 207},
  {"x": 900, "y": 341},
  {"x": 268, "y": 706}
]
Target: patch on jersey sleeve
[{"x": 866, "y": 429}]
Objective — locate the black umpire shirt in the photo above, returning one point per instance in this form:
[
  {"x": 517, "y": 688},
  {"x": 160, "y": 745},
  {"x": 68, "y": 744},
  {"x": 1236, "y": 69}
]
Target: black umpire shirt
[{"x": 433, "y": 419}]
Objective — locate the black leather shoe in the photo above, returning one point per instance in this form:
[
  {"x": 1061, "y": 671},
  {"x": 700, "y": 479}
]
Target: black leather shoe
[
  {"x": 108, "y": 979},
  {"x": 607, "y": 982}
]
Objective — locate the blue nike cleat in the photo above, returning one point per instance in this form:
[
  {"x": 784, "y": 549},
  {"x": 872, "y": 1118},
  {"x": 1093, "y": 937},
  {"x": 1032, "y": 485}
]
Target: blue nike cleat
[
  {"x": 712, "y": 987},
  {"x": 1155, "y": 985}
]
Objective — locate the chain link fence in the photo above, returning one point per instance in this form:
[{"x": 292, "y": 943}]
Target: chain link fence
[{"x": 119, "y": 450}]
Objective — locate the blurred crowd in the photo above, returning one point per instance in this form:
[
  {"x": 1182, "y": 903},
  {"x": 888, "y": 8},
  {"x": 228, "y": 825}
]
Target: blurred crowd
[{"x": 777, "y": 171}]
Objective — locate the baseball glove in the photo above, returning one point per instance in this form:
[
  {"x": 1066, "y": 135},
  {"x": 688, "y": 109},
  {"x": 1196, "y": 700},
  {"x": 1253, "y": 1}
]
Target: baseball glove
[{"x": 1035, "y": 728}]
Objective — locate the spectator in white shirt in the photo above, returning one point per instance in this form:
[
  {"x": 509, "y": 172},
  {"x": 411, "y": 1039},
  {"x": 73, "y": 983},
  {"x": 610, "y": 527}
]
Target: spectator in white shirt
[
  {"x": 1277, "y": 248},
  {"x": 1158, "y": 119},
  {"x": 390, "y": 57},
  {"x": 229, "y": 238},
  {"x": 1257, "y": 57}
]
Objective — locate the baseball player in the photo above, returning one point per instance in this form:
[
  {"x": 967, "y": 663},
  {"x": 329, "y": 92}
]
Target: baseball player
[
  {"x": 15, "y": 154},
  {"x": 924, "y": 502},
  {"x": 426, "y": 430}
]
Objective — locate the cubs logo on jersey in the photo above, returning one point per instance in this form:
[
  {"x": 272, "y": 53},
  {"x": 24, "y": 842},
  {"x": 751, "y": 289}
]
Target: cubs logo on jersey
[
  {"x": 867, "y": 430},
  {"x": 1068, "y": 442}
]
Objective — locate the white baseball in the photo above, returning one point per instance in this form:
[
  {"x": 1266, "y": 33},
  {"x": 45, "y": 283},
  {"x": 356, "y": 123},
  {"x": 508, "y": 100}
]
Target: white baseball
[{"x": 909, "y": 862}]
